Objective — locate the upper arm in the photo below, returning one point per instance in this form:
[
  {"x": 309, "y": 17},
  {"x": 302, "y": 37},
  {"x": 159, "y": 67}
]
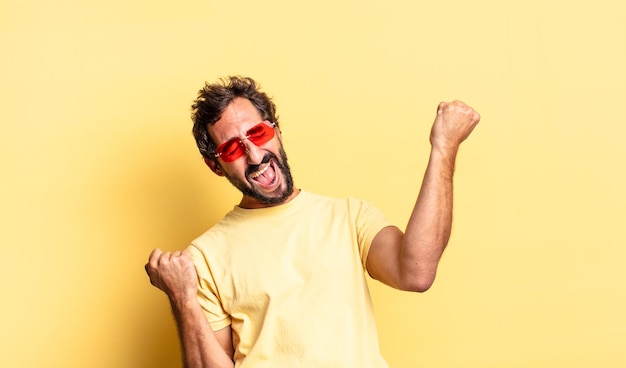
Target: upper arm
[
  {"x": 383, "y": 258},
  {"x": 225, "y": 338},
  {"x": 389, "y": 263}
]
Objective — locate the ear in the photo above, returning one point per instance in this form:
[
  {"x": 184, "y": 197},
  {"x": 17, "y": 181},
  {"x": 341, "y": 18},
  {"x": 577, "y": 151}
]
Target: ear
[{"x": 212, "y": 164}]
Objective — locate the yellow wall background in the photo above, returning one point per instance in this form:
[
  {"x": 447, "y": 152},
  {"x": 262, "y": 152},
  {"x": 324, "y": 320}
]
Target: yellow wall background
[{"x": 99, "y": 166}]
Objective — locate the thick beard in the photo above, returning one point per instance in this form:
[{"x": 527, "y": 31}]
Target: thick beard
[{"x": 247, "y": 189}]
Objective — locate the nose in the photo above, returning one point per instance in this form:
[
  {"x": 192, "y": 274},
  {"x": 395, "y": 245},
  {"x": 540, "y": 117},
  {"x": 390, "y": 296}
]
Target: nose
[{"x": 254, "y": 155}]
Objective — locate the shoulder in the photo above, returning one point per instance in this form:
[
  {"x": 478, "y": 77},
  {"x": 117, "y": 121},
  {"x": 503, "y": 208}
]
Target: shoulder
[{"x": 215, "y": 237}]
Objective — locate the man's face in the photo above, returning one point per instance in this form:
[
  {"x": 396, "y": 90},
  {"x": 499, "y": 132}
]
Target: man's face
[{"x": 262, "y": 174}]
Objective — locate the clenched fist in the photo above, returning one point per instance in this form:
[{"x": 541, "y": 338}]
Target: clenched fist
[
  {"x": 453, "y": 124},
  {"x": 174, "y": 273}
]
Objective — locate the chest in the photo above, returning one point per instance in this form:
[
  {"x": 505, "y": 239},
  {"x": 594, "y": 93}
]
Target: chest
[{"x": 296, "y": 264}]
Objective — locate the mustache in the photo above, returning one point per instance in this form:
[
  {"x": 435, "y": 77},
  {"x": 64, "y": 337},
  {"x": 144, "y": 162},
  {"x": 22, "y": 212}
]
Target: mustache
[{"x": 266, "y": 159}]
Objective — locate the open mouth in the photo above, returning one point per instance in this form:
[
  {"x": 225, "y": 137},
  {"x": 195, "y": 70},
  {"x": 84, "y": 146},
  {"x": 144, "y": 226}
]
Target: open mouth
[{"x": 265, "y": 176}]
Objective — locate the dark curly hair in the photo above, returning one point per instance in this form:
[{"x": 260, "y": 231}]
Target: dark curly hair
[{"x": 213, "y": 99}]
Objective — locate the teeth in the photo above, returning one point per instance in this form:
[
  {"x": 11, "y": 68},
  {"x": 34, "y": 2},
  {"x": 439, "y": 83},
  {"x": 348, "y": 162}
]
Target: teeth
[{"x": 260, "y": 172}]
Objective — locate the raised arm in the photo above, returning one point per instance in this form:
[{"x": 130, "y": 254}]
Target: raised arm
[
  {"x": 174, "y": 274},
  {"x": 409, "y": 260}
]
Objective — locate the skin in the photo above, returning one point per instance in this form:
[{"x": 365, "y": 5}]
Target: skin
[
  {"x": 404, "y": 260},
  {"x": 236, "y": 120},
  {"x": 409, "y": 260},
  {"x": 175, "y": 274}
]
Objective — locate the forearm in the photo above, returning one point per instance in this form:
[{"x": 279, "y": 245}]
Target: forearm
[
  {"x": 430, "y": 224},
  {"x": 409, "y": 260},
  {"x": 200, "y": 347}
]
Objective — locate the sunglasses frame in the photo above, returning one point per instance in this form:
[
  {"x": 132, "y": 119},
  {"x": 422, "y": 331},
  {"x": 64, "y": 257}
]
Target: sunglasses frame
[{"x": 219, "y": 151}]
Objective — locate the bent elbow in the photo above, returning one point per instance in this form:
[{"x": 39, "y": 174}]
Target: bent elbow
[
  {"x": 420, "y": 287},
  {"x": 418, "y": 284}
]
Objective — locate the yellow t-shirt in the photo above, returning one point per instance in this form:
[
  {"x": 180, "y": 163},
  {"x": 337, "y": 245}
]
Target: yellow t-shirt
[{"x": 290, "y": 280}]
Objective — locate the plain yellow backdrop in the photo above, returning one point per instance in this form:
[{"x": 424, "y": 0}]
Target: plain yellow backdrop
[{"x": 99, "y": 166}]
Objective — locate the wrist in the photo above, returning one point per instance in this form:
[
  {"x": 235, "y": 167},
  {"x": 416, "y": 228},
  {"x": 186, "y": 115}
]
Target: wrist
[
  {"x": 443, "y": 159},
  {"x": 183, "y": 301},
  {"x": 444, "y": 151}
]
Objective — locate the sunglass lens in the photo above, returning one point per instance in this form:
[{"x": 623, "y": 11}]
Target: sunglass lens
[
  {"x": 231, "y": 150},
  {"x": 261, "y": 134}
]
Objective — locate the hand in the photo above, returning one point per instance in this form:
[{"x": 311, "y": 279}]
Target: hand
[
  {"x": 174, "y": 273},
  {"x": 453, "y": 124}
]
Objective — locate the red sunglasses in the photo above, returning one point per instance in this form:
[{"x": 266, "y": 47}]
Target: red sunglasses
[{"x": 234, "y": 148}]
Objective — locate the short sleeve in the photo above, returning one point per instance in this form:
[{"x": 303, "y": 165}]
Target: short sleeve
[
  {"x": 368, "y": 221},
  {"x": 208, "y": 295}
]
